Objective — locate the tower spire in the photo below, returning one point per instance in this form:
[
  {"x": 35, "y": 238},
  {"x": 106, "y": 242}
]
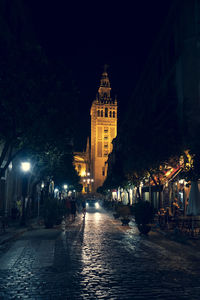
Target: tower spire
[
  {"x": 104, "y": 89},
  {"x": 106, "y": 68}
]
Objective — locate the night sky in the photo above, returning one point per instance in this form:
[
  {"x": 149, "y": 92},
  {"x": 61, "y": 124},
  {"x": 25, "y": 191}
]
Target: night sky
[{"x": 87, "y": 36}]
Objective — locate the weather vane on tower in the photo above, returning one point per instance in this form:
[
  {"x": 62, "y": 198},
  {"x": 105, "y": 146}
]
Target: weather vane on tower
[{"x": 106, "y": 68}]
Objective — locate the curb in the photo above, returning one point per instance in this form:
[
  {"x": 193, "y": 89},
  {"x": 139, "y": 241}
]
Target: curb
[
  {"x": 8, "y": 236},
  {"x": 11, "y": 236}
]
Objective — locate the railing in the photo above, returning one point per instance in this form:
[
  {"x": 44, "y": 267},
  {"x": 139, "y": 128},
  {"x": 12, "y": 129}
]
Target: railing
[{"x": 188, "y": 225}]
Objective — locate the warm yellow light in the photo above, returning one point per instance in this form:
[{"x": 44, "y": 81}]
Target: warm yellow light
[{"x": 83, "y": 173}]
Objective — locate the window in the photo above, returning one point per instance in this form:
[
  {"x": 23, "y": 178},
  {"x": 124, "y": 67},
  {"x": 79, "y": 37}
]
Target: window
[
  {"x": 105, "y": 137},
  {"x": 105, "y": 129},
  {"x": 113, "y": 114},
  {"x": 101, "y": 113},
  {"x": 99, "y": 149},
  {"x": 106, "y": 112},
  {"x": 106, "y": 145},
  {"x": 105, "y": 153},
  {"x": 103, "y": 171},
  {"x": 98, "y": 113},
  {"x": 110, "y": 114}
]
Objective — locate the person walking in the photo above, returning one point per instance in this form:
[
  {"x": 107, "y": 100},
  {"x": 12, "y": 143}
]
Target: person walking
[
  {"x": 73, "y": 208},
  {"x": 83, "y": 203},
  {"x": 68, "y": 207}
]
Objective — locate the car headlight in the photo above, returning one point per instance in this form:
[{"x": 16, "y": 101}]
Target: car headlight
[{"x": 97, "y": 205}]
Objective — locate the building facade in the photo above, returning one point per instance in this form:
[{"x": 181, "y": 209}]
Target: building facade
[
  {"x": 82, "y": 166},
  {"x": 91, "y": 164},
  {"x": 164, "y": 109},
  {"x": 103, "y": 130}
]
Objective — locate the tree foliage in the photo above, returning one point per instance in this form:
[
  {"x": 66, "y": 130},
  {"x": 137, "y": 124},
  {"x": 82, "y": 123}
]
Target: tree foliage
[{"x": 38, "y": 107}]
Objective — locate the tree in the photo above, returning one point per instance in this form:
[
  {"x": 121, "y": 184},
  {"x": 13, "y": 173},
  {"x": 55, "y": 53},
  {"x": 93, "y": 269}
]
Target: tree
[{"x": 32, "y": 102}]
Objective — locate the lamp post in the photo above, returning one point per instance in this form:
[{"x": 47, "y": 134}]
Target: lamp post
[
  {"x": 40, "y": 199},
  {"x": 88, "y": 181},
  {"x": 25, "y": 167},
  {"x": 57, "y": 193},
  {"x": 65, "y": 187}
]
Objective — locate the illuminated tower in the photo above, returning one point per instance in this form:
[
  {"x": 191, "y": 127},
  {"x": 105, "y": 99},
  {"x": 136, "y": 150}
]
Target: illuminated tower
[{"x": 103, "y": 130}]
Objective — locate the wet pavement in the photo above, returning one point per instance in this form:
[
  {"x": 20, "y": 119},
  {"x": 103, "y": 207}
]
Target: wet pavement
[{"x": 97, "y": 258}]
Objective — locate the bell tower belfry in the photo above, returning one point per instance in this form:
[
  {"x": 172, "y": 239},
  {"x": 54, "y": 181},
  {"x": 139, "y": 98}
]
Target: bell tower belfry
[{"x": 103, "y": 130}]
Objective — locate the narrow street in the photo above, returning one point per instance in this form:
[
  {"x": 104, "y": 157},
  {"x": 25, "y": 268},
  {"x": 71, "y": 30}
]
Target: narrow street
[{"x": 97, "y": 258}]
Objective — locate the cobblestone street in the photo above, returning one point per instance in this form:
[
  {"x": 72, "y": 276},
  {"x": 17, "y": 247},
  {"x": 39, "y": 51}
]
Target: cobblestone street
[{"x": 97, "y": 258}]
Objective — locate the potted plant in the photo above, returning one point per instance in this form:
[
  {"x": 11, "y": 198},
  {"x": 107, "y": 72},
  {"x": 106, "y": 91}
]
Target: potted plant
[
  {"x": 144, "y": 216},
  {"x": 125, "y": 213},
  {"x": 116, "y": 214}
]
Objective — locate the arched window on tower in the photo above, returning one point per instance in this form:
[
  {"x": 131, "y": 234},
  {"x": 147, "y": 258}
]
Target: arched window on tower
[
  {"x": 101, "y": 113},
  {"x": 110, "y": 114},
  {"x": 113, "y": 114},
  {"x": 106, "y": 112},
  {"x": 98, "y": 113}
]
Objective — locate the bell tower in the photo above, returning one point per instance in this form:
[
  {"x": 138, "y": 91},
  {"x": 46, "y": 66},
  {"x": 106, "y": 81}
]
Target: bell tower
[{"x": 103, "y": 129}]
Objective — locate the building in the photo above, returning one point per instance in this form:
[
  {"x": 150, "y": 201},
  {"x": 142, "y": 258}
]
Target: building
[
  {"x": 82, "y": 166},
  {"x": 103, "y": 130},
  {"x": 90, "y": 165},
  {"x": 162, "y": 115}
]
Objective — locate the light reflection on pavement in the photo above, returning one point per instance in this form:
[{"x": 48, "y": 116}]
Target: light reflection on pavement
[{"x": 97, "y": 258}]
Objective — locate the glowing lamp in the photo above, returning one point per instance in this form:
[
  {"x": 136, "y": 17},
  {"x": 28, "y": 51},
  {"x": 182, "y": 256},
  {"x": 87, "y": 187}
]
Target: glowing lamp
[{"x": 25, "y": 166}]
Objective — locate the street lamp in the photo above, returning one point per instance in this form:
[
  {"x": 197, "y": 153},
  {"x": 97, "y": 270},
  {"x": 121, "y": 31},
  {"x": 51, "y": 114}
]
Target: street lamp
[
  {"x": 56, "y": 192},
  {"x": 87, "y": 182},
  {"x": 40, "y": 199},
  {"x": 65, "y": 186},
  {"x": 25, "y": 167}
]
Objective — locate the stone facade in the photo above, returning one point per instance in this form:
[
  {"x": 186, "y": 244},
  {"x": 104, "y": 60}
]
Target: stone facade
[
  {"x": 91, "y": 165},
  {"x": 103, "y": 130}
]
